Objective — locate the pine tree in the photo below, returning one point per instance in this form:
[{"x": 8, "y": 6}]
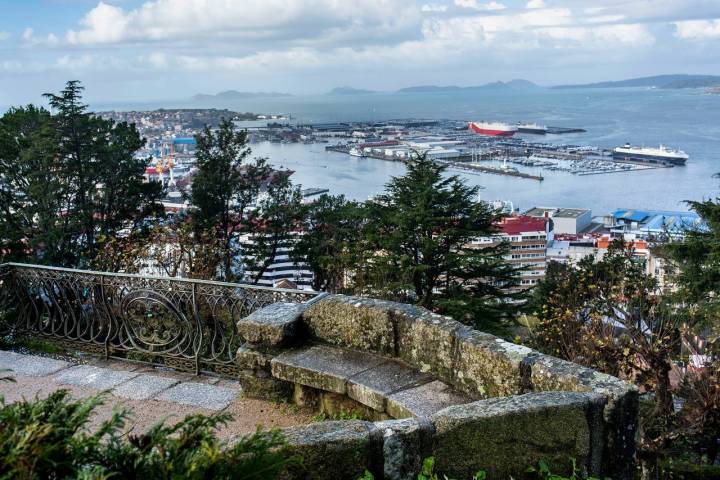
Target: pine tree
[
  {"x": 330, "y": 241},
  {"x": 273, "y": 226},
  {"x": 225, "y": 187},
  {"x": 69, "y": 179},
  {"x": 421, "y": 229}
]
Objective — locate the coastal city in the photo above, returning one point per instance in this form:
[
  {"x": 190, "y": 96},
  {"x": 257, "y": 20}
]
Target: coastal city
[{"x": 525, "y": 151}]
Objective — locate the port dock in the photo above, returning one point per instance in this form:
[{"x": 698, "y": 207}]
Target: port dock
[{"x": 473, "y": 168}]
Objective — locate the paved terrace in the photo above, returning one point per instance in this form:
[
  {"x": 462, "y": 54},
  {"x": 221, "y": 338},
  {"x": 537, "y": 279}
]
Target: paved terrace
[
  {"x": 152, "y": 394},
  {"x": 428, "y": 385}
]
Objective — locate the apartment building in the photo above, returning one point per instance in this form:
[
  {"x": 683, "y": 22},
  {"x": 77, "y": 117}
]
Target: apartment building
[{"x": 528, "y": 238}]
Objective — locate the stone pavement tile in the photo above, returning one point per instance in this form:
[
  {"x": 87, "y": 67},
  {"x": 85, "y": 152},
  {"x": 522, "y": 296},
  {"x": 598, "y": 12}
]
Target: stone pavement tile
[
  {"x": 30, "y": 365},
  {"x": 143, "y": 387},
  {"x": 168, "y": 372},
  {"x": 94, "y": 377},
  {"x": 200, "y": 395},
  {"x": 114, "y": 364}
]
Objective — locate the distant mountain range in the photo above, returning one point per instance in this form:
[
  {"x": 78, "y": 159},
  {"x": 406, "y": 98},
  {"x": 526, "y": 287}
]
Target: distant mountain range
[
  {"x": 517, "y": 84},
  {"x": 349, "y": 91},
  {"x": 658, "y": 81},
  {"x": 235, "y": 95}
]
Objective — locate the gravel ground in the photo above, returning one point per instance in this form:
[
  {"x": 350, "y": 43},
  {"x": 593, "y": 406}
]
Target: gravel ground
[{"x": 247, "y": 414}]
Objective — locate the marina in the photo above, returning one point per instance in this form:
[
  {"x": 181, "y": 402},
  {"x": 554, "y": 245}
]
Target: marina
[{"x": 480, "y": 146}]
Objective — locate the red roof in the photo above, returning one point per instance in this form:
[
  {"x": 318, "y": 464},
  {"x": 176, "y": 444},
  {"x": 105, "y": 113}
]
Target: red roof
[{"x": 521, "y": 224}]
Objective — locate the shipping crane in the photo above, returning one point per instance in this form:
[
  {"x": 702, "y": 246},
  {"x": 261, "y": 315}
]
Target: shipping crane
[{"x": 166, "y": 162}]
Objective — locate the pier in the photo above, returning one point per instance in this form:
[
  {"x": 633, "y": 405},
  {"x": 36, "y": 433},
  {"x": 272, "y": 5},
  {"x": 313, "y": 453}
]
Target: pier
[{"x": 496, "y": 171}]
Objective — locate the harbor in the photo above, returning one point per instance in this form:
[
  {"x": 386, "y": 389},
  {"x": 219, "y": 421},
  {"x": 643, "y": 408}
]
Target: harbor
[
  {"x": 357, "y": 158},
  {"x": 484, "y": 147}
]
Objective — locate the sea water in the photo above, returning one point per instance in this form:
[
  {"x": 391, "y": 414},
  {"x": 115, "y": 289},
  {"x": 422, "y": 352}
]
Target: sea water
[{"x": 686, "y": 119}]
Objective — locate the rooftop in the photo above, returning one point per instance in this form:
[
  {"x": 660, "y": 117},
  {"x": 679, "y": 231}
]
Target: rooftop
[
  {"x": 521, "y": 224},
  {"x": 660, "y": 220},
  {"x": 556, "y": 212},
  {"x": 540, "y": 211},
  {"x": 570, "y": 212}
]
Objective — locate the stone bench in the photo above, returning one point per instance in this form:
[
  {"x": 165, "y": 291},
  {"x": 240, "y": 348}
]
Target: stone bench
[
  {"x": 384, "y": 385},
  {"x": 433, "y": 387}
]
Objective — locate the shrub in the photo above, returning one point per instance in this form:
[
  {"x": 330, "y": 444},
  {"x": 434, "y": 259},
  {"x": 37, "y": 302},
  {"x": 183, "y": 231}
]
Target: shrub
[
  {"x": 49, "y": 438},
  {"x": 540, "y": 472}
]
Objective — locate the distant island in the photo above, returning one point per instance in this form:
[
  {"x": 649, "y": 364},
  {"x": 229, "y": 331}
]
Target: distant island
[
  {"x": 349, "y": 91},
  {"x": 658, "y": 81},
  {"x": 235, "y": 95},
  {"x": 517, "y": 84}
]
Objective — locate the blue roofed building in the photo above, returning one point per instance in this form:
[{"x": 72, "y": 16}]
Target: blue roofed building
[{"x": 654, "y": 223}]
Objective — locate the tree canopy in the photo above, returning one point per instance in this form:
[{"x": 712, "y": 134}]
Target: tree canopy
[{"x": 69, "y": 180}]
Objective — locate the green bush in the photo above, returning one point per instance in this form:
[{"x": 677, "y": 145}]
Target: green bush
[
  {"x": 678, "y": 470},
  {"x": 49, "y": 438},
  {"x": 539, "y": 472}
]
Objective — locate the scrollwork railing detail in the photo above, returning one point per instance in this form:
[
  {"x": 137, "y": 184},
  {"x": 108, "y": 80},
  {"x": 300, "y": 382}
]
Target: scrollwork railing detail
[{"x": 186, "y": 324}]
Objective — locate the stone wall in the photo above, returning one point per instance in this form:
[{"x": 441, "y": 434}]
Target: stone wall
[{"x": 520, "y": 406}]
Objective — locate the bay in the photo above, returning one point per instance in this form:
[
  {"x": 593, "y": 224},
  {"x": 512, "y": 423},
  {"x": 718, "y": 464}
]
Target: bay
[{"x": 686, "y": 119}]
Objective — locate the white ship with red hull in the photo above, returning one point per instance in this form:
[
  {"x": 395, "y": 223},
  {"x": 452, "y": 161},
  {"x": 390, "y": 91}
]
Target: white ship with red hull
[{"x": 493, "y": 129}]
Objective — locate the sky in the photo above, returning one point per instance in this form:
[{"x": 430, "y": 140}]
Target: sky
[{"x": 145, "y": 50}]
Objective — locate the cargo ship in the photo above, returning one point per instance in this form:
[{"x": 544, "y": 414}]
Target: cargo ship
[
  {"x": 532, "y": 128},
  {"x": 493, "y": 129},
  {"x": 659, "y": 156}
]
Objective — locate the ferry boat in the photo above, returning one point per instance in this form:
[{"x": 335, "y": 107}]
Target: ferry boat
[
  {"x": 660, "y": 156},
  {"x": 532, "y": 128},
  {"x": 493, "y": 129}
]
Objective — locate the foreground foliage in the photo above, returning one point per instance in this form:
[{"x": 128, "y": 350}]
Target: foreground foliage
[
  {"x": 50, "y": 438},
  {"x": 610, "y": 314},
  {"x": 539, "y": 472}
]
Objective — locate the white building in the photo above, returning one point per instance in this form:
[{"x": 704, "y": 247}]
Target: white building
[
  {"x": 282, "y": 269},
  {"x": 565, "y": 220}
]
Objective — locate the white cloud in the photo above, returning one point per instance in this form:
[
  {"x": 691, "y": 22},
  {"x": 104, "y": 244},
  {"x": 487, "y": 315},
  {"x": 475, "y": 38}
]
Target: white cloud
[
  {"x": 29, "y": 38},
  {"x": 271, "y": 39},
  {"x": 433, "y": 8},
  {"x": 604, "y": 35},
  {"x": 476, "y": 5},
  {"x": 698, "y": 29},
  {"x": 534, "y": 29},
  {"x": 253, "y": 20}
]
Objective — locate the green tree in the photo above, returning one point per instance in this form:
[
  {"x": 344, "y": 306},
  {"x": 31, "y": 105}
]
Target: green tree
[
  {"x": 224, "y": 189},
  {"x": 694, "y": 265},
  {"x": 420, "y": 234},
  {"x": 609, "y": 314},
  {"x": 69, "y": 180},
  {"x": 30, "y": 189},
  {"x": 330, "y": 242},
  {"x": 104, "y": 187},
  {"x": 273, "y": 226}
]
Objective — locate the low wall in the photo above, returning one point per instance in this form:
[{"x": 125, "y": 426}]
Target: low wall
[{"x": 526, "y": 406}]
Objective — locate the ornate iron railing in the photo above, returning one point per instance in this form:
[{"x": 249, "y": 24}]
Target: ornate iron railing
[{"x": 181, "y": 323}]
